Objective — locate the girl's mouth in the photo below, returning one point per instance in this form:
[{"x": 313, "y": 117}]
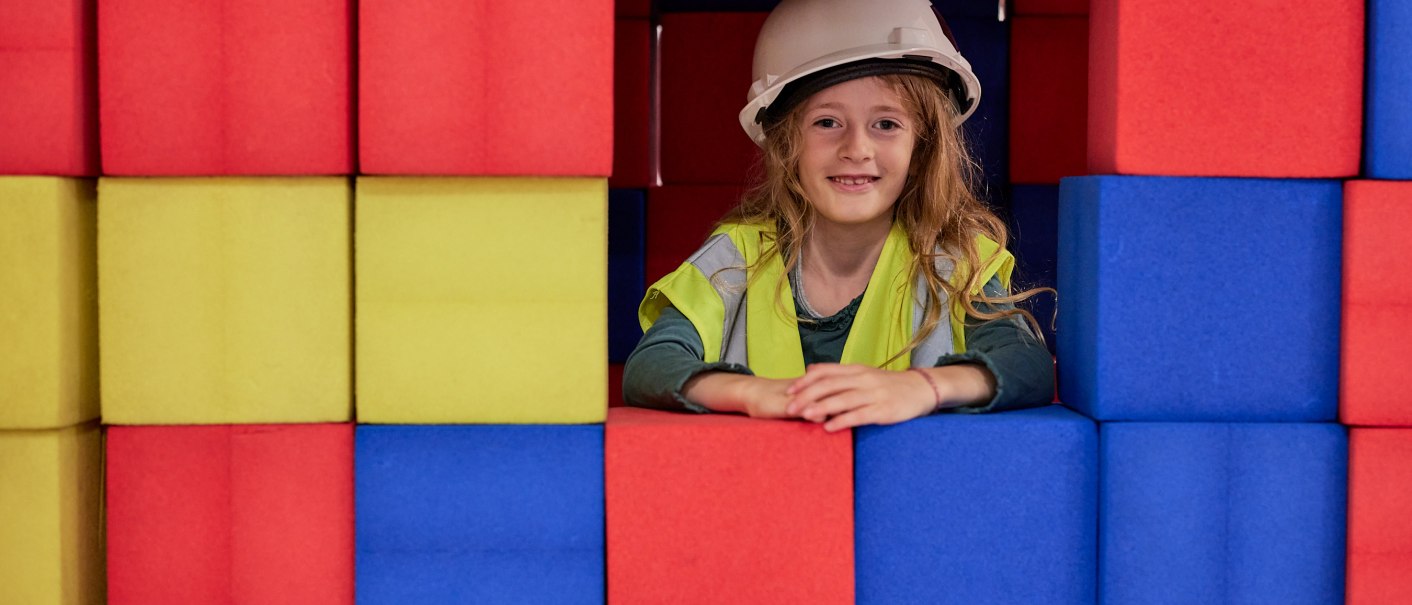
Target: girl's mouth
[{"x": 853, "y": 181}]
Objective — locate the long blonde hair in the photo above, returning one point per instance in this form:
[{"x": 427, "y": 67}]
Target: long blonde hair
[{"x": 938, "y": 208}]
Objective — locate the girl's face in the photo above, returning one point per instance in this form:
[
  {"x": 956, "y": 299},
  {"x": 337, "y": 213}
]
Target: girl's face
[{"x": 855, "y": 153}]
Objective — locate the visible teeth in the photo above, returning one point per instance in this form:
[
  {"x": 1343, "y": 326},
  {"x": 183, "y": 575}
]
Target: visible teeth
[{"x": 845, "y": 180}]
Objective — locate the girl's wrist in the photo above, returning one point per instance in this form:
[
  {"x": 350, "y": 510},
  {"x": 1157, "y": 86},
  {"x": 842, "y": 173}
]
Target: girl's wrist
[{"x": 937, "y": 399}]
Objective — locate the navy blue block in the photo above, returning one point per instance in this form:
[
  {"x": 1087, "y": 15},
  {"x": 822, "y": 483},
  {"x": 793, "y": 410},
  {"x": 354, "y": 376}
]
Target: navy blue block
[
  {"x": 627, "y": 267},
  {"x": 985, "y": 43},
  {"x": 1214, "y": 513},
  {"x": 480, "y": 514},
  {"x": 977, "y": 509},
  {"x": 1034, "y": 232},
  {"x": 1199, "y": 299},
  {"x": 1387, "y": 139}
]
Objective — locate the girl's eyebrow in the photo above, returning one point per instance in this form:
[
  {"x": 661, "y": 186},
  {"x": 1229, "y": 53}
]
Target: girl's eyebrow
[{"x": 838, "y": 106}]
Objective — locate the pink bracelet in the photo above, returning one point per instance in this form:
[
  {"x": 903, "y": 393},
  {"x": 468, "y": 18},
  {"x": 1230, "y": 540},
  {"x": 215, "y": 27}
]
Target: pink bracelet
[{"x": 935, "y": 391}]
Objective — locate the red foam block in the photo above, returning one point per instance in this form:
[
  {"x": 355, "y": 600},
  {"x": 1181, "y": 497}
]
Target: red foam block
[
  {"x": 1217, "y": 88},
  {"x": 679, "y": 219},
  {"x": 486, "y": 87},
  {"x": 640, "y": 9},
  {"x": 615, "y": 385},
  {"x": 230, "y": 514},
  {"x": 725, "y": 509},
  {"x": 632, "y": 102},
  {"x": 1375, "y": 388},
  {"x": 247, "y": 87},
  {"x": 1048, "y": 98},
  {"x": 1379, "y": 516},
  {"x": 48, "y": 88},
  {"x": 1034, "y": 8},
  {"x": 705, "y": 65}
]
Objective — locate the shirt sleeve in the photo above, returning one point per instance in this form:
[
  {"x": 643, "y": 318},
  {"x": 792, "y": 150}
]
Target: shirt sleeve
[
  {"x": 1021, "y": 364},
  {"x": 669, "y": 354}
]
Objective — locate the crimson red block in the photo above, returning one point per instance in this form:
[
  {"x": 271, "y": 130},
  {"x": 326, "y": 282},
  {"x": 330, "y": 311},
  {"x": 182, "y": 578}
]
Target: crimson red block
[
  {"x": 1379, "y": 516},
  {"x": 679, "y": 219},
  {"x": 48, "y": 88},
  {"x": 706, "y": 63},
  {"x": 632, "y": 105},
  {"x": 1375, "y": 387},
  {"x": 1048, "y": 98},
  {"x": 1217, "y": 88},
  {"x": 242, "y": 87},
  {"x": 720, "y": 508},
  {"x": 1033, "y": 8},
  {"x": 615, "y": 385},
  {"x": 230, "y": 514},
  {"x": 486, "y": 87}
]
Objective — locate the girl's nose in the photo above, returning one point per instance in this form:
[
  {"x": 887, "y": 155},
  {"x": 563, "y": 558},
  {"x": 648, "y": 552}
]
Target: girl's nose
[{"x": 856, "y": 147}]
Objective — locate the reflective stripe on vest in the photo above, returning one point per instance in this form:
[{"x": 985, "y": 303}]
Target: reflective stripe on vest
[{"x": 746, "y": 325}]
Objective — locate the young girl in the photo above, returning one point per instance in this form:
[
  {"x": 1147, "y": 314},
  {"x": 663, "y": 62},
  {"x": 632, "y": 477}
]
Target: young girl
[{"x": 862, "y": 282}]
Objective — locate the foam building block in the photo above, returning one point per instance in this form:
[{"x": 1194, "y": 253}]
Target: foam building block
[
  {"x": 1211, "y": 88},
  {"x": 719, "y": 508},
  {"x": 49, "y": 109},
  {"x": 950, "y": 8},
  {"x": 615, "y": 385},
  {"x": 1387, "y": 150},
  {"x": 1193, "y": 299},
  {"x": 943, "y": 500},
  {"x": 48, "y": 302},
  {"x": 448, "y": 87},
  {"x": 985, "y": 42},
  {"x": 224, "y": 300},
  {"x": 1048, "y": 98},
  {"x": 1034, "y": 229},
  {"x": 247, "y": 87},
  {"x": 679, "y": 219},
  {"x": 633, "y": 115},
  {"x": 51, "y": 519},
  {"x": 633, "y": 9},
  {"x": 1035, "y": 8},
  {"x": 480, "y": 514},
  {"x": 230, "y": 514},
  {"x": 626, "y": 263},
  {"x": 1375, "y": 388},
  {"x": 481, "y": 300},
  {"x": 1379, "y": 516},
  {"x": 1222, "y": 513},
  {"x": 705, "y": 64}
]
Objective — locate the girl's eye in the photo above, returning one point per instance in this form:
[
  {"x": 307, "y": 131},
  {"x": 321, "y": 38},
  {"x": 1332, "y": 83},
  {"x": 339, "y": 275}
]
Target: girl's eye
[
  {"x": 826, "y": 123},
  {"x": 889, "y": 124}
]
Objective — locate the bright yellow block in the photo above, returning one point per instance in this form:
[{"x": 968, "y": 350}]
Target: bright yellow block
[
  {"x": 48, "y": 302},
  {"x": 51, "y": 547},
  {"x": 225, "y": 300},
  {"x": 482, "y": 300}
]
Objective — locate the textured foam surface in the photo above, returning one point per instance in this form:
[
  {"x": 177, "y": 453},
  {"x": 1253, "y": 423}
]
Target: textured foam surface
[
  {"x": 1034, "y": 229},
  {"x": 1222, "y": 513},
  {"x": 481, "y": 300},
  {"x": 950, "y": 8},
  {"x": 1237, "y": 99},
  {"x": 633, "y": 164},
  {"x": 989, "y": 508},
  {"x": 476, "y": 88},
  {"x": 1376, "y": 389},
  {"x": 633, "y": 9},
  {"x": 51, "y": 516},
  {"x": 1379, "y": 516},
  {"x": 626, "y": 263},
  {"x": 1199, "y": 299},
  {"x": 224, "y": 300},
  {"x": 480, "y": 514},
  {"x": 1031, "y": 8},
  {"x": 985, "y": 42},
  {"x": 1387, "y": 150},
  {"x": 230, "y": 514},
  {"x": 615, "y": 385},
  {"x": 255, "y": 87},
  {"x": 720, "y": 508},
  {"x": 1048, "y": 98},
  {"x": 49, "y": 107},
  {"x": 705, "y": 64},
  {"x": 679, "y": 219},
  {"x": 48, "y": 302}
]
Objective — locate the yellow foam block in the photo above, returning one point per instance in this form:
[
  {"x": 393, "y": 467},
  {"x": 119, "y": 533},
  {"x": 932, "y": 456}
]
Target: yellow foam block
[
  {"x": 51, "y": 520},
  {"x": 225, "y": 300},
  {"x": 481, "y": 300},
  {"x": 48, "y": 302}
]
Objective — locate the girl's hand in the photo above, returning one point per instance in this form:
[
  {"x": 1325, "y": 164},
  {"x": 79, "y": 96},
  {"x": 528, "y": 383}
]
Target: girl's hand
[
  {"x": 751, "y": 395},
  {"x": 844, "y": 396}
]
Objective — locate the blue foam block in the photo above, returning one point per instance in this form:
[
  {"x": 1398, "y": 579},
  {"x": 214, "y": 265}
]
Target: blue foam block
[
  {"x": 985, "y": 43},
  {"x": 976, "y": 509},
  {"x": 1387, "y": 142},
  {"x": 482, "y": 514},
  {"x": 627, "y": 254},
  {"x": 1199, "y": 299},
  {"x": 1222, "y": 513},
  {"x": 1034, "y": 232}
]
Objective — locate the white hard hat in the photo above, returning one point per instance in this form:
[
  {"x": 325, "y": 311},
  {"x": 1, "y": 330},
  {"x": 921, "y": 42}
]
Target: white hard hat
[{"x": 808, "y": 45}]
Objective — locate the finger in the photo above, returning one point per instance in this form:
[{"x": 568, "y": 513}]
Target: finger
[
  {"x": 854, "y": 418},
  {"x": 823, "y": 371},
  {"x": 813, "y": 394},
  {"x": 834, "y": 405}
]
